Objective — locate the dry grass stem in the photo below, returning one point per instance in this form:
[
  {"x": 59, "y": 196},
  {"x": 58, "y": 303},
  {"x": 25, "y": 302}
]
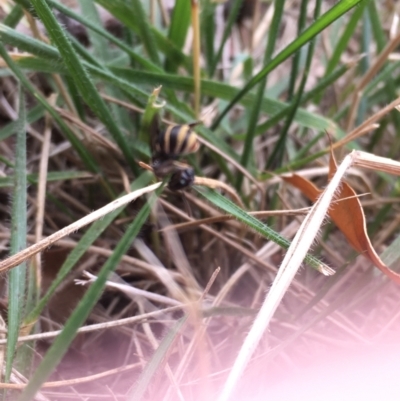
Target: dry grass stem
[
  {"x": 71, "y": 382},
  {"x": 290, "y": 265},
  {"x": 373, "y": 70},
  {"x": 27, "y": 253},
  {"x": 102, "y": 326},
  {"x": 217, "y": 219}
]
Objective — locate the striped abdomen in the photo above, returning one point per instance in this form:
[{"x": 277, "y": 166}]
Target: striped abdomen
[{"x": 177, "y": 140}]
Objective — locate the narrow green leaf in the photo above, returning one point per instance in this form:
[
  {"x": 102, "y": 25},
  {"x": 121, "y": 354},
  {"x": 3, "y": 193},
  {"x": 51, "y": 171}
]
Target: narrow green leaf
[
  {"x": 156, "y": 361},
  {"x": 145, "y": 63},
  {"x": 144, "y": 30},
  {"x": 178, "y": 29},
  {"x": 51, "y": 176},
  {"x": 104, "y": 55},
  {"x": 348, "y": 33},
  {"x": 301, "y": 21},
  {"x": 221, "y": 91},
  {"x": 378, "y": 29},
  {"x": 83, "y": 153},
  {"x": 28, "y": 44},
  {"x": 276, "y": 157},
  {"x": 33, "y": 115},
  {"x": 229, "y": 207},
  {"x": 207, "y": 26},
  {"x": 255, "y": 110},
  {"x": 150, "y": 112},
  {"x": 325, "y": 20},
  {"x": 82, "y": 311},
  {"x": 17, "y": 276},
  {"x": 123, "y": 13},
  {"x": 78, "y": 73},
  {"x": 233, "y": 13},
  {"x": 96, "y": 229},
  {"x": 14, "y": 16}
]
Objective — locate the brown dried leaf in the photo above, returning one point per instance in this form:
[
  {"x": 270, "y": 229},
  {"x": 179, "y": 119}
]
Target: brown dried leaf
[{"x": 347, "y": 214}]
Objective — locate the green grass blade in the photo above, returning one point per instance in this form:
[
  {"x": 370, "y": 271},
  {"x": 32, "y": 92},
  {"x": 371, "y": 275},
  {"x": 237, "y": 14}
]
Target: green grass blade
[
  {"x": 178, "y": 29},
  {"x": 86, "y": 87},
  {"x": 233, "y": 13},
  {"x": 319, "y": 88},
  {"x": 123, "y": 76},
  {"x": 325, "y": 20},
  {"x": 150, "y": 113},
  {"x": 33, "y": 115},
  {"x": 104, "y": 55},
  {"x": 156, "y": 362},
  {"x": 144, "y": 30},
  {"x": 82, "y": 311},
  {"x": 123, "y": 13},
  {"x": 229, "y": 207},
  {"x": 255, "y": 111},
  {"x": 347, "y": 35},
  {"x": 17, "y": 276},
  {"x": 28, "y": 44},
  {"x": 379, "y": 32},
  {"x": 301, "y": 22},
  {"x": 81, "y": 150},
  {"x": 89, "y": 13},
  {"x": 145, "y": 63},
  {"x": 278, "y": 152},
  {"x": 14, "y": 16},
  {"x": 79, "y": 250},
  {"x": 207, "y": 26}
]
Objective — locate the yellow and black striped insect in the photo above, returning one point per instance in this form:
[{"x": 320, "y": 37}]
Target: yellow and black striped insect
[
  {"x": 167, "y": 146},
  {"x": 175, "y": 141}
]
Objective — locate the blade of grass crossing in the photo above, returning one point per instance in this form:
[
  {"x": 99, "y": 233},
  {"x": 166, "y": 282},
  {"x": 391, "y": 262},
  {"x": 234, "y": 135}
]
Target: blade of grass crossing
[
  {"x": 33, "y": 115},
  {"x": 82, "y": 311},
  {"x": 28, "y": 44},
  {"x": 86, "y": 87},
  {"x": 17, "y": 276},
  {"x": 229, "y": 207},
  {"x": 156, "y": 362},
  {"x": 31, "y": 45},
  {"x": 86, "y": 157},
  {"x": 208, "y": 32},
  {"x": 145, "y": 63},
  {"x": 122, "y": 10},
  {"x": 365, "y": 63},
  {"x": 215, "y": 89},
  {"x": 255, "y": 111},
  {"x": 325, "y": 20},
  {"x": 102, "y": 52},
  {"x": 319, "y": 88},
  {"x": 342, "y": 43},
  {"x": 178, "y": 29},
  {"x": 301, "y": 22},
  {"x": 196, "y": 55},
  {"x": 233, "y": 13},
  {"x": 144, "y": 30},
  {"x": 275, "y": 160},
  {"x": 379, "y": 33},
  {"x": 14, "y": 16},
  {"x": 79, "y": 250}
]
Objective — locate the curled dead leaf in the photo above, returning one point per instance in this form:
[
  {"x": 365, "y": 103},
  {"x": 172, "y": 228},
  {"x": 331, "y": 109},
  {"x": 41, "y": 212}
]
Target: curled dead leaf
[{"x": 348, "y": 215}]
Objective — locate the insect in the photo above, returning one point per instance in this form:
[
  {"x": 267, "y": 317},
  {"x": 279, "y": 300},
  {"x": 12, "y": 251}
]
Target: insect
[
  {"x": 167, "y": 146},
  {"x": 175, "y": 141}
]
